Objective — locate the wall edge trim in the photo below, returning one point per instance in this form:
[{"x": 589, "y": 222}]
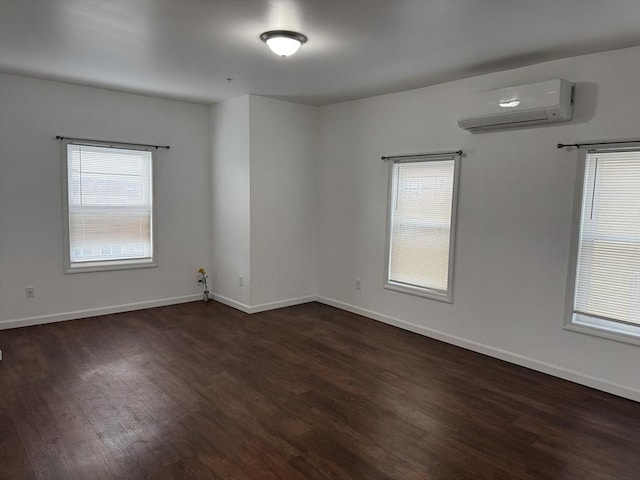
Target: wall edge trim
[
  {"x": 263, "y": 307},
  {"x": 95, "y": 312},
  {"x": 521, "y": 360}
]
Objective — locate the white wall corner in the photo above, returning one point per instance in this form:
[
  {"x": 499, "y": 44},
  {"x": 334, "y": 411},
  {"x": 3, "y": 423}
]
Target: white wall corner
[{"x": 263, "y": 307}]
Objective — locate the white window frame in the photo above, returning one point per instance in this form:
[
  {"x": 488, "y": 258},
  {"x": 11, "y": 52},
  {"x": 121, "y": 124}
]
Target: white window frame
[
  {"x": 433, "y": 294},
  {"x": 611, "y": 329},
  {"x": 103, "y": 265}
]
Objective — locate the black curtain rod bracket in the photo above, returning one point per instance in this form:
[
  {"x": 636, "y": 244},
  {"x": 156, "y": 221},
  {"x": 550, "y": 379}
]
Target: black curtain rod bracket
[
  {"x": 59, "y": 137},
  {"x": 418, "y": 155},
  {"x": 579, "y": 145}
]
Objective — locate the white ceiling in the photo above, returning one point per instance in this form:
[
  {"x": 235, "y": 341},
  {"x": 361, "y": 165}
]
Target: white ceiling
[{"x": 186, "y": 49}]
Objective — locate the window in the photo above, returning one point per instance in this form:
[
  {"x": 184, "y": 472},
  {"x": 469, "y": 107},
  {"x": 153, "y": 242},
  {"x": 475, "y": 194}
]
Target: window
[
  {"x": 421, "y": 225},
  {"x": 605, "y": 282},
  {"x": 109, "y": 208}
]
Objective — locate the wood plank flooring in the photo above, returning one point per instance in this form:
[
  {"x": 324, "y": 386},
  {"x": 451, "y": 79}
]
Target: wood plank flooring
[{"x": 202, "y": 391}]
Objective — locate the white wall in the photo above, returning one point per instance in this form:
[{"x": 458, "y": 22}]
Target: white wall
[
  {"x": 264, "y": 192},
  {"x": 230, "y": 207},
  {"x": 514, "y": 216},
  {"x": 283, "y": 194},
  {"x": 32, "y": 113}
]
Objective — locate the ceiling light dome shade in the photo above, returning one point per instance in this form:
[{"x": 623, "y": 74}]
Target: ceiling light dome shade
[{"x": 283, "y": 42}]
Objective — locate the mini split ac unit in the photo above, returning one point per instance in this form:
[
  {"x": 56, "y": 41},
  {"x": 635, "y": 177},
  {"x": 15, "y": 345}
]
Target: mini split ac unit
[{"x": 520, "y": 106}]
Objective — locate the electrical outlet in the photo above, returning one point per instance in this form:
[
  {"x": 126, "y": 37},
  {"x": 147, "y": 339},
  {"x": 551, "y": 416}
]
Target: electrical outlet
[
  {"x": 358, "y": 284},
  {"x": 29, "y": 292},
  {"x": 240, "y": 282}
]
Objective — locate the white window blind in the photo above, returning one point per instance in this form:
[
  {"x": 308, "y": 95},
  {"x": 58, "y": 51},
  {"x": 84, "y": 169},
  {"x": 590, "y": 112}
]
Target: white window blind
[
  {"x": 421, "y": 219},
  {"x": 607, "y": 285},
  {"x": 109, "y": 194}
]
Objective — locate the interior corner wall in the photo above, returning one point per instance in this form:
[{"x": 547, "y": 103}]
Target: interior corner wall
[
  {"x": 230, "y": 202},
  {"x": 32, "y": 113},
  {"x": 264, "y": 208},
  {"x": 516, "y": 199},
  {"x": 283, "y": 206}
]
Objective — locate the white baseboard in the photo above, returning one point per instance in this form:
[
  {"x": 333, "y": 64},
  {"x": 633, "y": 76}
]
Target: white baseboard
[
  {"x": 263, "y": 307},
  {"x": 94, "y": 312},
  {"x": 231, "y": 303},
  {"x": 556, "y": 371}
]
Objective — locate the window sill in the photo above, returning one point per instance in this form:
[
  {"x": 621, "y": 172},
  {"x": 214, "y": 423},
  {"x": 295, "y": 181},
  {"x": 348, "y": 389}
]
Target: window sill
[
  {"x": 420, "y": 292},
  {"x": 86, "y": 267},
  {"x": 604, "y": 328}
]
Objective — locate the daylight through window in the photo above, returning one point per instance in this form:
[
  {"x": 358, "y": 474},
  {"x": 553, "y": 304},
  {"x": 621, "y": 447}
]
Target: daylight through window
[
  {"x": 109, "y": 207},
  {"x": 421, "y": 226},
  {"x": 607, "y": 274}
]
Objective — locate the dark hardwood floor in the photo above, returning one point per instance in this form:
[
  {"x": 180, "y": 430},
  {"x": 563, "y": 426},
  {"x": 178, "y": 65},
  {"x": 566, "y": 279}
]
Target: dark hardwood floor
[{"x": 203, "y": 391}]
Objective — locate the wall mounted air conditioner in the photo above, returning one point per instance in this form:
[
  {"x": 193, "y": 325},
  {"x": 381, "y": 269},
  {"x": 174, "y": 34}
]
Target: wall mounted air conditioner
[{"x": 520, "y": 106}]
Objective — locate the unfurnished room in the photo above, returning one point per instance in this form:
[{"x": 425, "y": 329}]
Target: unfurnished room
[{"x": 320, "y": 239}]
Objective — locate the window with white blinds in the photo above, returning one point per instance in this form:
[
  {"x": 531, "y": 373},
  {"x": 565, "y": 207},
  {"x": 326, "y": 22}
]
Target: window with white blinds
[
  {"x": 421, "y": 226},
  {"x": 109, "y": 207},
  {"x": 607, "y": 273}
]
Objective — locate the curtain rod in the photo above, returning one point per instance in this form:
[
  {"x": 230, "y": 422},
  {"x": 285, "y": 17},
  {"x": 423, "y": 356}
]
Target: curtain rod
[
  {"x": 114, "y": 143},
  {"x": 417, "y": 155},
  {"x": 578, "y": 145}
]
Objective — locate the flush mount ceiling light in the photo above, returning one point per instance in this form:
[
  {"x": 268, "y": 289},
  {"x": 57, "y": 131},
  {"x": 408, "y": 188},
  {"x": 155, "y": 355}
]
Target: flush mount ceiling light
[{"x": 283, "y": 42}]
